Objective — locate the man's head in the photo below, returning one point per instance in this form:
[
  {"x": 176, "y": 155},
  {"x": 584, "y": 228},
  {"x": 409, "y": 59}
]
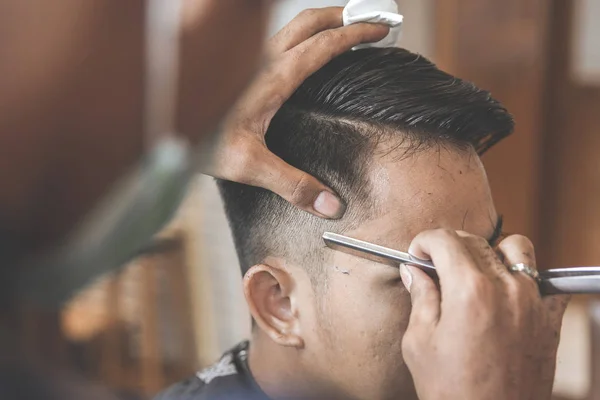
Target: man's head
[{"x": 398, "y": 140}]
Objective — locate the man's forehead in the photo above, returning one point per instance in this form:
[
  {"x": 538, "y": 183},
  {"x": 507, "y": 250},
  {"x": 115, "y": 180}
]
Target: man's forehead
[{"x": 434, "y": 188}]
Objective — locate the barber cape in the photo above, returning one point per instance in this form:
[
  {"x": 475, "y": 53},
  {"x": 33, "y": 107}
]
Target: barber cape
[{"x": 227, "y": 379}]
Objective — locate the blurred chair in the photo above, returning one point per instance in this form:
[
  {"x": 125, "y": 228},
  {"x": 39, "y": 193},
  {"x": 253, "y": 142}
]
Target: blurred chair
[{"x": 133, "y": 330}]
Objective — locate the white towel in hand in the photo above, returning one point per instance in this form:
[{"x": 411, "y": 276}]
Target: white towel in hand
[{"x": 375, "y": 11}]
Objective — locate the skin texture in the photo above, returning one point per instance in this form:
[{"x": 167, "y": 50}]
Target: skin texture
[{"x": 344, "y": 340}]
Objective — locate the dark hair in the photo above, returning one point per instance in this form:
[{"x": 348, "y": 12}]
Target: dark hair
[{"x": 330, "y": 128}]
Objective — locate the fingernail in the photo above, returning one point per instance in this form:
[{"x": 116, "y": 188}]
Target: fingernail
[
  {"x": 329, "y": 205},
  {"x": 406, "y": 277}
]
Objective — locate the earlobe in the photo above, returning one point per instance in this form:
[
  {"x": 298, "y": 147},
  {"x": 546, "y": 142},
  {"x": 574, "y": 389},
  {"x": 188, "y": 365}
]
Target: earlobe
[{"x": 268, "y": 290}]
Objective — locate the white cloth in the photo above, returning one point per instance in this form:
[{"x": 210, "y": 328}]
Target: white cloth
[{"x": 375, "y": 11}]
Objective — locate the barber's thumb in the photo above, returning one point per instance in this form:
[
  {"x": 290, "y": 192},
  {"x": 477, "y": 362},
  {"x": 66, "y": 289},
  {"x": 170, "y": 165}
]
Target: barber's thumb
[
  {"x": 414, "y": 279},
  {"x": 299, "y": 188},
  {"x": 424, "y": 294}
]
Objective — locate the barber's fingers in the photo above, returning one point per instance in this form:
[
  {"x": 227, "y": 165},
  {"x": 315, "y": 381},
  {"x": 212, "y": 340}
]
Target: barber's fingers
[
  {"x": 486, "y": 258},
  {"x": 309, "y": 56},
  {"x": 454, "y": 263},
  {"x": 518, "y": 249},
  {"x": 283, "y": 76},
  {"x": 308, "y": 23},
  {"x": 250, "y": 162},
  {"x": 299, "y": 188},
  {"x": 425, "y": 297}
]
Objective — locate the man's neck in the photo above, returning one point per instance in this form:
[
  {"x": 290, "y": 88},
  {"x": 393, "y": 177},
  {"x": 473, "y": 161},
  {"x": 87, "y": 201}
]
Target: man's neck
[{"x": 280, "y": 374}]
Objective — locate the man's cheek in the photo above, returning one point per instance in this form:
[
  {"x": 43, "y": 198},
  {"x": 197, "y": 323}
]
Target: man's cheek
[{"x": 390, "y": 312}]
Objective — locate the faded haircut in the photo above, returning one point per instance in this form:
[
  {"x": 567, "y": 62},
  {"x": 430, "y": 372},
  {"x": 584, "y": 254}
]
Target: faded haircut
[{"x": 330, "y": 128}]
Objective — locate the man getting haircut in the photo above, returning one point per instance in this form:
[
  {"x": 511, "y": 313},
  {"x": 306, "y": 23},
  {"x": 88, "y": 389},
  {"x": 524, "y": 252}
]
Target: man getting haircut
[{"x": 399, "y": 141}]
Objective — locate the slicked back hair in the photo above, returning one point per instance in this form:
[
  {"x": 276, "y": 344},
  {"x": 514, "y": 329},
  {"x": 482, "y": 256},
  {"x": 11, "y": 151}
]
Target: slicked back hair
[{"x": 331, "y": 127}]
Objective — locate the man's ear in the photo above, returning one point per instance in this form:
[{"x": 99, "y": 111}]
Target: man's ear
[{"x": 268, "y": 289}]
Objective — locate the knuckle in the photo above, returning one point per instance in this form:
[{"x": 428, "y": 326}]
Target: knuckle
[
  {"x": 298, "y": 194},
  {"x": 518, "y": 242},
  {"x": 476, "y": 242},
  {"x": 299, "y": 54},
  {"x": 480, "y": 241},
  {"x": 309, "y": 13},
  {"x": 438, "y": 237},
  {"x": 444, "y": 234},
  {"x": 523, "y": 240},
  {"x": 330, "y": 36},
  {"x": 473, "y": 240}
]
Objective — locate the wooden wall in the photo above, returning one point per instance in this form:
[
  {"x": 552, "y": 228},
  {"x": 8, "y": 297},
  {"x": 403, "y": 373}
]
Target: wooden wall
[
  {"x": 501, "y": 46},
  {"x": 571, "y": 185}
]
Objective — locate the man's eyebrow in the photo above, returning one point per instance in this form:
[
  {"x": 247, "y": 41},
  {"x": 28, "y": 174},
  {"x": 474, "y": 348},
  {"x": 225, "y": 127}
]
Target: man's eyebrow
[{"x": 497, "y": 231}]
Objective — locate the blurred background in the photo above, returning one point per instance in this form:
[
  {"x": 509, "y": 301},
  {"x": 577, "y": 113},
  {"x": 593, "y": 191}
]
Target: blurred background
[{"x": 179, "y": 305}]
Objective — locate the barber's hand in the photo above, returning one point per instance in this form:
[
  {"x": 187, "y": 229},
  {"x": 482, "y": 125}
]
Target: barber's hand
[
  {"x": 487, "y": 333},
  {"x": 306, "y": 44}
]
